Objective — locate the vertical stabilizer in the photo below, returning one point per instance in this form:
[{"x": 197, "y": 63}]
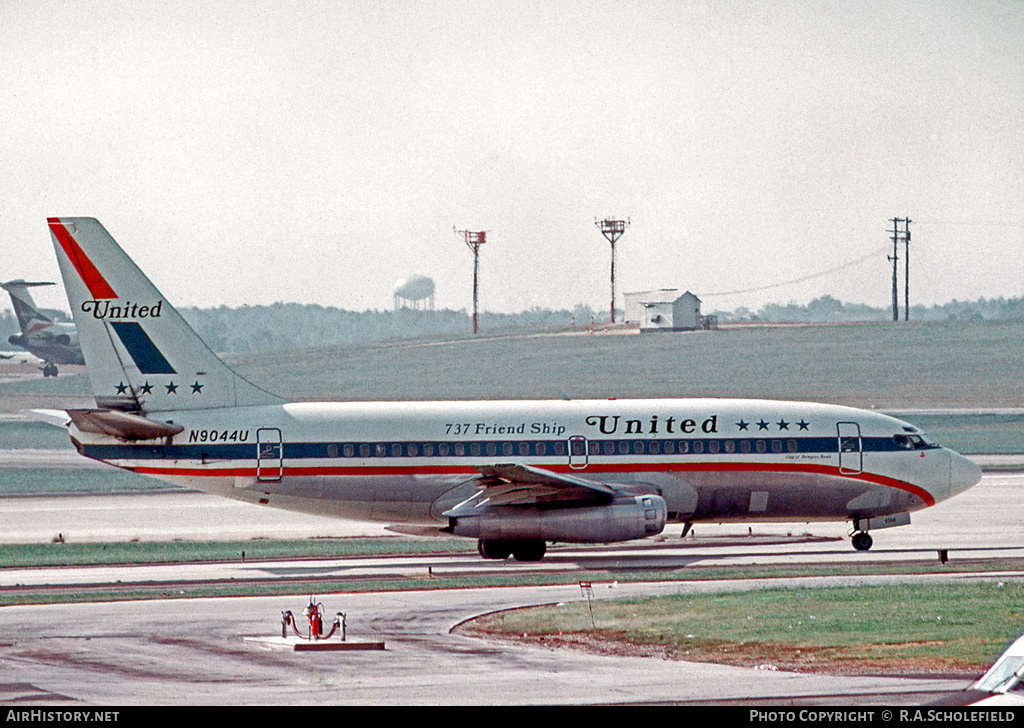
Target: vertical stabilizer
[
  {"x": 140, "y": 353},
  {"x": 29, "y": 315}
]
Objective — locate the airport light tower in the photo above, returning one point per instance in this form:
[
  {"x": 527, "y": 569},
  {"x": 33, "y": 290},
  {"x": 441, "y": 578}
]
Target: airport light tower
[
  {"x": 612, "y": 230},
  {"x": 473, "y": 241}
]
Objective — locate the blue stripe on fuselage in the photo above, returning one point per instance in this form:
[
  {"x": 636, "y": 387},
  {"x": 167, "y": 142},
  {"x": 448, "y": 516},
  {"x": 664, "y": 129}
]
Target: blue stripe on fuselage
[{"x": 492, "y": 449}]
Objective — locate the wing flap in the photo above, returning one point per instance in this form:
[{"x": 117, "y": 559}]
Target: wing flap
[{"x": 511, "y": 484}]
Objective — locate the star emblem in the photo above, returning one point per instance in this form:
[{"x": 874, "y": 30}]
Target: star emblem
[
  {"x": 197, "y": 387},
  {"x": 147, "y": 388},
  {"x": 783, "y": 425},
  {"x": 742, "y": 424},
  {"x": 122, "y": 388},
  {"x": 762, "y": 425},
  {"x": 803, "y": 425},
  {"x": 172, "y": 388}
]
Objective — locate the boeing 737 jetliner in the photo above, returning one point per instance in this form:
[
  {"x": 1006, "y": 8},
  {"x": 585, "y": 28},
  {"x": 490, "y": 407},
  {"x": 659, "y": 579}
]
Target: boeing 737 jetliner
[{"x": 514, "y": 475}]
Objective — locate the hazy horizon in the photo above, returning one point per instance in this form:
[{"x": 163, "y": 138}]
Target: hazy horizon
[{"x": 320, "y": 152}]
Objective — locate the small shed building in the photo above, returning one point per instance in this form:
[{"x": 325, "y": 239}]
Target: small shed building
[{"x": 665, "y": 310}]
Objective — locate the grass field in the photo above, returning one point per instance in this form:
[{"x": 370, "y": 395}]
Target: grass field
[
  {"x": 886, "y": 366},
  {"x": 917, "y": 367},
  {"x": 946, "y": 628},
  {"x": 926, "y": 365},
  {"x": 91, "y": 554}
]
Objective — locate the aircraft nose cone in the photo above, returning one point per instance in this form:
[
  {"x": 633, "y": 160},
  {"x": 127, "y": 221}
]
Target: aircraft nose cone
[{"x": 963, "y": 474}]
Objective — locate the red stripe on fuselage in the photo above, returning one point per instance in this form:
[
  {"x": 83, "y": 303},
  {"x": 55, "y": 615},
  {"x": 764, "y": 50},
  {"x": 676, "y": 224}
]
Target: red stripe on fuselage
[
  {"x": 93, "y": 279},
  {"x": 883, "y": 480}
]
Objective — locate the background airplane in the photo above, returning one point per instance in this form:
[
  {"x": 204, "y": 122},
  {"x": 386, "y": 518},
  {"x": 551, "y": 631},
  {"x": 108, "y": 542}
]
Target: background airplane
[
  {"x": 514, "y": 475},
  {"x": 53, "y": 342}
]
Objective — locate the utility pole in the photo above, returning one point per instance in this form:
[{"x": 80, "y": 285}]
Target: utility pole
[
  {"x": 906, "y": 270},
  {"x": 612, "y": 230},
  {"x": 895, "y": 288},
  {"x": 473, "y": 241},
  {"x": 897, "y": 236}
]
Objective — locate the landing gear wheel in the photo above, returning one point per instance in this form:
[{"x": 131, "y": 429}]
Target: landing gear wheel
[
  {"x": 861, "y": 541},
  {"x": 494, "y": 549},
  {"x": 529, "y": 550},
  {"x": 50, "y": 370}
]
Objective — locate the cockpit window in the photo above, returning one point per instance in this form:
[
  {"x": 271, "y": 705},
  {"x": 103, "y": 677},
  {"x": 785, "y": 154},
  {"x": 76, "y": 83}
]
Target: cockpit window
[
  {"x": 1005, "y": 676},
  {"x": 912, "y": 442}
]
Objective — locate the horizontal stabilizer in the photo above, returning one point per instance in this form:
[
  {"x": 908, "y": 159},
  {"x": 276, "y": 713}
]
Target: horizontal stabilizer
[
  {"x": 57, "y": 418},
  {"x": 122, "y": 425}
]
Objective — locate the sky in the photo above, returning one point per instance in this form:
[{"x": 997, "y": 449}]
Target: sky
[{"x": 252, "y": 152}]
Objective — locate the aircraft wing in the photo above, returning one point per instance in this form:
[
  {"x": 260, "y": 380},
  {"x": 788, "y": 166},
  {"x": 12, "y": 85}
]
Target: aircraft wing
[{"x": 512, "y": 484}]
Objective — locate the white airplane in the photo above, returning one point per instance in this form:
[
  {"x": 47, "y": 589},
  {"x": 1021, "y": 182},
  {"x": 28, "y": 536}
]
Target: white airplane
[
  {"x": 1001, "y": 685},
  {"x": 512, "y": 474},
  {"x": 52, "y": 341}
]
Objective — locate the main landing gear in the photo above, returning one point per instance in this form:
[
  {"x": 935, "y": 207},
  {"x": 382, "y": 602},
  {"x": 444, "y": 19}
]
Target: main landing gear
[
  {"x": 50, "y": 370},
  {"x": 532, "y": 550}
]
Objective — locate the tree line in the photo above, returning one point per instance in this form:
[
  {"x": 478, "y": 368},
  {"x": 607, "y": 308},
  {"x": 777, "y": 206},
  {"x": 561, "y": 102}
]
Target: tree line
[{"x": 293, "y": 325}]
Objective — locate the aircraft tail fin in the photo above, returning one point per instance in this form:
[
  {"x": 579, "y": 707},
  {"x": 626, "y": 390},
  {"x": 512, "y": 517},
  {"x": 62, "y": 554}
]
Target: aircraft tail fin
[
  {"x": 29, "y": 315},
  {"x": 141, "y": 354}
]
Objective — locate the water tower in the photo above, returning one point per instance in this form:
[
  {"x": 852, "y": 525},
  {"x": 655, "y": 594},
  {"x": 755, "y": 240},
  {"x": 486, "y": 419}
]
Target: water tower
[{"x": 415, "y": 292}]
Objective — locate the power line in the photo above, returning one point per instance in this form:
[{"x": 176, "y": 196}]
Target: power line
[
  {"x": 812, "y": 276},
  {"x": 997, "y": 223}
]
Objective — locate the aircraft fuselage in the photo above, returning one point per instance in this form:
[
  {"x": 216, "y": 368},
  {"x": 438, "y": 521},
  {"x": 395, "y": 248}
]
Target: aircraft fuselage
[{"x": 411, "y": 462}]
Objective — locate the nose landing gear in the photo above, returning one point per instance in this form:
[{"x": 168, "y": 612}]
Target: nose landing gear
[{"x": 861, "y": 540}]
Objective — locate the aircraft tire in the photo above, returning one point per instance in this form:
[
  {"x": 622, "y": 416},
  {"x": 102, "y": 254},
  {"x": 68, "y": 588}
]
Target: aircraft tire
[
  {"x": 529, "y": 550},
  {"x": 494, "y": 548},
  {"x": 862, "y": 541}
]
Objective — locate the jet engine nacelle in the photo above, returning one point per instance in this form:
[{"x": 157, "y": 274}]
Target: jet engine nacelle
[{"x": 624, "y": 519}]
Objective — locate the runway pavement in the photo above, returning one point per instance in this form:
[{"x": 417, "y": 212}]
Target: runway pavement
[{"x": 196, "y": 652}]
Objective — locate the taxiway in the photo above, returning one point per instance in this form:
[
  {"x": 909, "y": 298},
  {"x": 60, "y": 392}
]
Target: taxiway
[{"x": 196, "y": 652}]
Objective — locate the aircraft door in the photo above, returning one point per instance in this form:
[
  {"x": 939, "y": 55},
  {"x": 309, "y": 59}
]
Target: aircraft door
[
  {"x": 577, "y": 452},
  {"x": 269, "y": 454},
  {"x": 851, "y": 451}
]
